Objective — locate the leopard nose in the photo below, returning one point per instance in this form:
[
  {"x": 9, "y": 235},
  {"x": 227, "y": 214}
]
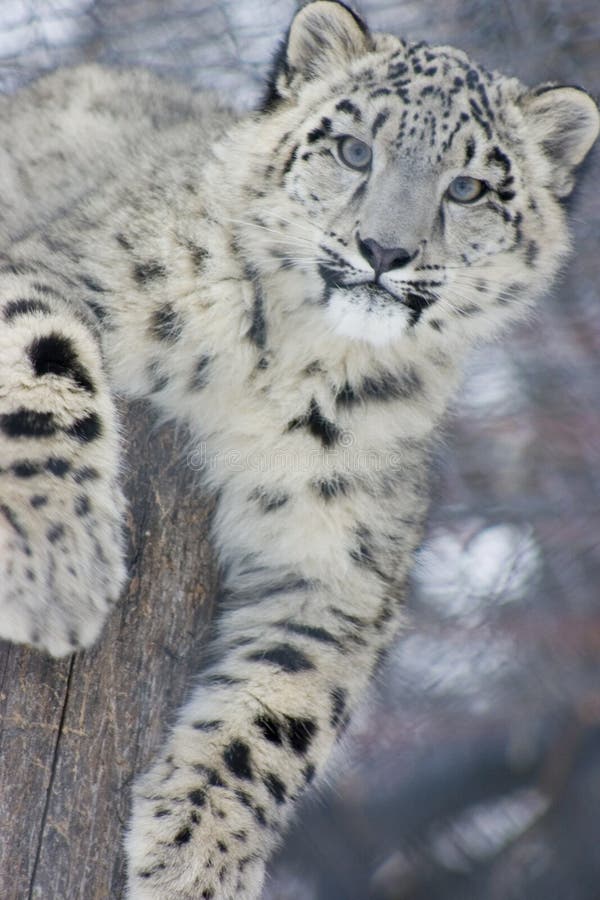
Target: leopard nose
[{"x": 382, "y": 259}]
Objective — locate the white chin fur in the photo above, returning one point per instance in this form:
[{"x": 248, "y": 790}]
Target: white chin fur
[{"x": 376, "y": 324}]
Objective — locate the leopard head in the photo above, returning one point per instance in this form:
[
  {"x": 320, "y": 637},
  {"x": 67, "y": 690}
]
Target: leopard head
[{"x": 415, "y": 193}]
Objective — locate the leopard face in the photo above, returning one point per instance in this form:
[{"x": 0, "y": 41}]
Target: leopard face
[{"x": 416, "y": 193}]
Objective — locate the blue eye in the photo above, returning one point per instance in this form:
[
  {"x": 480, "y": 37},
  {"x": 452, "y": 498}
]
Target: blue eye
[
  {"x": 354, "y": 153},
  {"x": 465, "y": 189}
]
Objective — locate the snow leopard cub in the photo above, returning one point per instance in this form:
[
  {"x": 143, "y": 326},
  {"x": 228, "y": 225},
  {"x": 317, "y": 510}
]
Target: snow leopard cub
[{"x": 299, "y": 286}]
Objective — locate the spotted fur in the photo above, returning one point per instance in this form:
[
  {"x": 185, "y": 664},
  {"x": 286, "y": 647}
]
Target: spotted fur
[{"x": 298, "y": 311}]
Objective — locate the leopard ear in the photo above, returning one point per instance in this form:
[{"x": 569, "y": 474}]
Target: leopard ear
[
  {"x": 565, "y": 123},
  {"x": 323, "y": 36}
]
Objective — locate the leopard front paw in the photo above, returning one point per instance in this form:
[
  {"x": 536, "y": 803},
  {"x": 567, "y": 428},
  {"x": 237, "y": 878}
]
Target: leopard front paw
[
  {"x": 60, "y": 570},
  {"x": 192, "y": 837}
]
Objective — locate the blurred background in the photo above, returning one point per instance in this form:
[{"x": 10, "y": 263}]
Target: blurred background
[{"x": 473, "y": 771}]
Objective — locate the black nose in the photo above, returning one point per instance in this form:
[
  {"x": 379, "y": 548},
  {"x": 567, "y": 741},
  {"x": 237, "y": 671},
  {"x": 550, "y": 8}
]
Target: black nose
[{"x": 382, "y": 259}]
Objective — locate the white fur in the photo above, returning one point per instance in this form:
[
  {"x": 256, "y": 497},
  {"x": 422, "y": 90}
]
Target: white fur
[{"x": 355, "y": 320}]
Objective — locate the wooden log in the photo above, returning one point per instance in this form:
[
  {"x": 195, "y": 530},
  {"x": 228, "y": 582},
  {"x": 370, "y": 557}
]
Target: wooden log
[{"x": 74, "y": 732}]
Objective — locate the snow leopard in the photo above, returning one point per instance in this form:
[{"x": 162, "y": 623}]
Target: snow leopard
[{"x": 299, "y": 286}]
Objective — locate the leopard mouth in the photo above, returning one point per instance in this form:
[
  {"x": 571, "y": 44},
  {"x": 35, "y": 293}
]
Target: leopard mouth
[
  {"x": 377, "y": 292},
  {"x": 376, "y": 295},
  {"x": 416, "y": 301}
]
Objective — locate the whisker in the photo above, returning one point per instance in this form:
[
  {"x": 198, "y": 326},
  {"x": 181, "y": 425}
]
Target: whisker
[
  {"x": 298, "y": 261},
  {"x": 289, "y": 244},
  {"x": 312, "y": 259},
  {"x": 309, "y": 229},
  {"x": 301, "y": 262},
  {"x": 465, "y": 268},
  {"x": 473, "y": 282},
  {"x": 297, "y": 238}
]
